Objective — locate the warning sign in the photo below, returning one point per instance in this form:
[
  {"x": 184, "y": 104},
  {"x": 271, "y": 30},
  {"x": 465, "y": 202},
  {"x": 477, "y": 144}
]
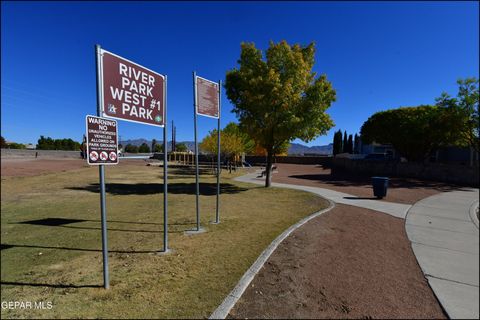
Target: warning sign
[
  {"x": 207, "y": 98},
  {"x": 130, "y": 91},
  {"x": 102, "y": 143}
]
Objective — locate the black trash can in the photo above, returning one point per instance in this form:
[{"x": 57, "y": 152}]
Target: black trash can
[{"x": 380, "y": 186}]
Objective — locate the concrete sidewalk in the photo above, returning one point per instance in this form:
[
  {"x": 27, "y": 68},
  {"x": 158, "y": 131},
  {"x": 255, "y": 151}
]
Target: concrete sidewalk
[
  {"x": 444, "y": 233},
  {"x": 395, "y": 209}
]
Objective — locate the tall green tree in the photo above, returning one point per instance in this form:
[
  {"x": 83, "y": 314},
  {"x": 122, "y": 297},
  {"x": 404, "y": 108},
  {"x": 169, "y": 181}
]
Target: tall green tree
[
  {"x": 57, "y": 144},
  {"x": 350, "y": 144},
  {"x": 15, "y": 145},
  {"x": 144, "y": 148},
  {"x": 3, "y": 143},
  {"x": 45, "y": 143},
  {"x": 464, "y": 108},
  {"x": 130, "y": 148},
  {"x": 181, "y": 147},
  {"x": 154, "y": 143},
  {"x": 337, "y": 142},
  {"x": 230, "y": 143},
  {"x": 356, "y": 144},
  {"x": 277, "y": 97},
  {"x": 248, "y": 144},
  {"x": 345, "y": 142},
  {"x": 413, "y": 131}
]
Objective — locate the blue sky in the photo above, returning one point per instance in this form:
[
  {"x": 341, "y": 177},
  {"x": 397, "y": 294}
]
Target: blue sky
[{"x": 377, "y": 55}]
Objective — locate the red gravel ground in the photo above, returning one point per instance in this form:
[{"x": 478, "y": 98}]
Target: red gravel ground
[
  {"x": 348, "y": 263},
  {"x": 400, "y": 190}
]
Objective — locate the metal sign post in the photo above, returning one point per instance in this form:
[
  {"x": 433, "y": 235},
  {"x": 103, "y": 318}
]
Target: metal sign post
[
  {"x": 217, "y": 214},
  {"x": 131, "y": 92},
  {"x": 165, "y": 173},
  {"x": 206, "y": 97},
  {"x": 197, "y": 188},
  {"x": 101, "y": 170}
]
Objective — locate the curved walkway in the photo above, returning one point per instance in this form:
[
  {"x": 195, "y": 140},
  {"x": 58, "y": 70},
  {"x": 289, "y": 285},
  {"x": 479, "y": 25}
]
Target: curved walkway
[
  {"x": 398, "y": 210},
  {"x": 443, "y": 230}
]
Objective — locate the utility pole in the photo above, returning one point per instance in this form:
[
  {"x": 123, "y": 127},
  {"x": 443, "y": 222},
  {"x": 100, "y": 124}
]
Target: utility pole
[{"x": 173, "y": 137}]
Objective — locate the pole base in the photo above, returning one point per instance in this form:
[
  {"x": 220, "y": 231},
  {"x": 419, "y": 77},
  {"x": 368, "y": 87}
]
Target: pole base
[
  {"x": 162, "y": 253},
  {"x": 214, "y": 222},
  {"x": 194, "y": 231}
]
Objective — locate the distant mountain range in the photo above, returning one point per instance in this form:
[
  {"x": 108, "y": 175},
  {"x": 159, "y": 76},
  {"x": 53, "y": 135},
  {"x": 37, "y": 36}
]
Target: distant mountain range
[
  {"x": 295, "y": 148},
  {"x": 300, "y": 149},
  {"x": 137, "y": 142}
]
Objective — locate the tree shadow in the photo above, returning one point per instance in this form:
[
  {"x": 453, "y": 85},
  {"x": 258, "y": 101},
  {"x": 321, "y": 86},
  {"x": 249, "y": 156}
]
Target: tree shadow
[
  {"x": 206, "y": 189},
  {"x": 332, "y": 179},
  {"x": 59, "y": 285},
  {"x": 190, "y": 171},
  {"x": 178, "y": 177},
  {"x": 345, "y": 180}
]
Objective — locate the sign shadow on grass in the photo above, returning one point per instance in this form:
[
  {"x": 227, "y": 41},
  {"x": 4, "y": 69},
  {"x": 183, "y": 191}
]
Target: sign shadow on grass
[
  {"x": 50, "y": 285},
  {"x": 5, "y": 246},
  {"x": 206, "y": 189},
  {"x": 9, "y": 246},
  {"x": 65, "y": 223}
]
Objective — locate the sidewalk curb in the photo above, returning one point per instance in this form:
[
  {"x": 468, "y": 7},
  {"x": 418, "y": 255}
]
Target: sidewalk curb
[
  {"x": 473, "y": 214},
  {"x": 229, "y": 302}
]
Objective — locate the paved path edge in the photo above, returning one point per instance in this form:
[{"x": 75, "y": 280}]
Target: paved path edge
[
  {"x": 229, "y": 302},
  {"x": 473, "y": 214},
  {"x": 418, "y": 262}
]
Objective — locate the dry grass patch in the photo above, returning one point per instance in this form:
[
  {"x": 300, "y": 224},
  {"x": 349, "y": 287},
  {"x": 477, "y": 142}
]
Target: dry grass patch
[{"x": 51, "y": 241}]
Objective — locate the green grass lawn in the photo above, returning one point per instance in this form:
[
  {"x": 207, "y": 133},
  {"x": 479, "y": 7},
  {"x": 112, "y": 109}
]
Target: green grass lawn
[{"x": 51, "y": 241}]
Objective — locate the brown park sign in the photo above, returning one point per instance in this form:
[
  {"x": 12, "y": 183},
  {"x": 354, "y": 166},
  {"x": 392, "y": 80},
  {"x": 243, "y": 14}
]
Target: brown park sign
[
  {"x": 131, "y": 92},
  {"x": 207, "y": 98},
  {"x": 102, "y": 142}
]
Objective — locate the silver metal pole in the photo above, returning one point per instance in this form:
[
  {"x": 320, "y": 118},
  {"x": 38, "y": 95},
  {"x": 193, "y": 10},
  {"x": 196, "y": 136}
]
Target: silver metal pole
[
  {"x": 196, "y": 148},
  {"x": 101, "y": 170},
  {"x": 217, "y": 213},
  {"x": 165, "y": 170}
]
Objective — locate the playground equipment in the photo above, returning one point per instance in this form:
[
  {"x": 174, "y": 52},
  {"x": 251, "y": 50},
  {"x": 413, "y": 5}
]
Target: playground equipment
[{"x": 185, "y": 158}]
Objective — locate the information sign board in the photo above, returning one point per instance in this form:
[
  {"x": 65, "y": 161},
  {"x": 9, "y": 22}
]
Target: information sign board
[
  {"x": 207, "y": 98},
  {"x": 102, "y": 141},
  {"x": 130, "y": 91}
]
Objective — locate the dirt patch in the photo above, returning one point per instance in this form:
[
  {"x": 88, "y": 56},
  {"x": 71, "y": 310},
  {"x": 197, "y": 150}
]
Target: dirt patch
[
  {"x": 18, "y": 167},
  {"x": 22, "y": 167},
  {"x": 400, "y": 190},
  {"x": 348, "y": 263}
]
